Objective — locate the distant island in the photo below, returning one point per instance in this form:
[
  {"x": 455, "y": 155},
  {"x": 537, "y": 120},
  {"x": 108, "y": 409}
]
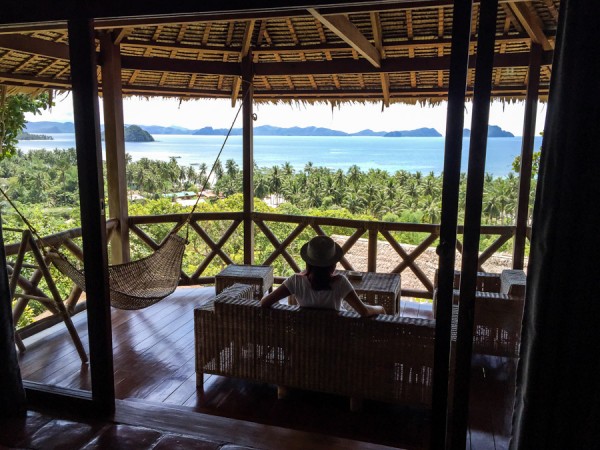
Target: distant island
[
  {"x": 493, "y": 132},
  {"x": 134, "y": 133},
  {"x": 419, "y": 132},
  {"x": 263, "y": 130},
  {"x": 25, "y": 136}
]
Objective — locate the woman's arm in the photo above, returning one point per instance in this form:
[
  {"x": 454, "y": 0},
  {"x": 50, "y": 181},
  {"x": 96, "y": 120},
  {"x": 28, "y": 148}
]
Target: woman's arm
[
  {"x": 362, "y": 308},
  {"x": 281, "y": 292}
]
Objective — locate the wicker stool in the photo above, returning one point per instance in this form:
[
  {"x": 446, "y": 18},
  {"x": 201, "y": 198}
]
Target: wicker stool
[{"x": 260, "y": 277}]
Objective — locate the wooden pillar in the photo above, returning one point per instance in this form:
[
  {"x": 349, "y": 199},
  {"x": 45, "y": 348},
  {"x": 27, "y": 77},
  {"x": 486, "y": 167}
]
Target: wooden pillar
[
  {"x": 114, "y": 140},
  {"x": 459, "y": 61},
  {"x": 248, "y": 157},
  {"x": 533, "y": 84},
  {"x": 91, "y": 192},
  {"x": 12, "y": 394},
  {"x": 558, "y": 401},
  {"x": 470, "y": 255},
  {"x": 372, "y": 251}
]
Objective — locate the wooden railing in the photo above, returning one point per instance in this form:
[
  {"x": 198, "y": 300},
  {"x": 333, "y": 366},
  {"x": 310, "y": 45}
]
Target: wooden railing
[
  {"x": 29, "y": 287},
  {"x": 283, "y": 231},
  {"x": 216, "y": 240}
]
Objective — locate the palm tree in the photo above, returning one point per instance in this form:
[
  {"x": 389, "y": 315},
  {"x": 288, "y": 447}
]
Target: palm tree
[
  {"x": 287, "y": 168},
  {"x": 354, "y": 175},
  {"x": 231, "y": 168},
  {"x": 275, "y": 182},
  {"x": 308, "y": 167}
]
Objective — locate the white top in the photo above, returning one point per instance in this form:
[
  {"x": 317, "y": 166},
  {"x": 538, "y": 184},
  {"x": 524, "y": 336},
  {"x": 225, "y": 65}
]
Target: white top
[{"x": 326, "y": 299}]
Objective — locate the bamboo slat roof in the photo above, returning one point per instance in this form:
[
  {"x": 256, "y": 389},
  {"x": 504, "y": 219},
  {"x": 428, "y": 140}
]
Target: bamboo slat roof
[{"x": 379, "y": 53}]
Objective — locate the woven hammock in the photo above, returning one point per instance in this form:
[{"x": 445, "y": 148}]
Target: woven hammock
[{"x": 136, "y": 284}]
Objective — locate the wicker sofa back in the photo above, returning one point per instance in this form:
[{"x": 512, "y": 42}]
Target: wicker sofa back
[
  {"x": 499, "y": 302},
  {"x": 386, "y": 358}
]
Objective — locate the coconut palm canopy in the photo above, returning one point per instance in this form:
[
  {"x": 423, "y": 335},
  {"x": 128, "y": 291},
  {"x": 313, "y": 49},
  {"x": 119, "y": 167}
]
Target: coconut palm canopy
[{"x": 388, "y": 52}]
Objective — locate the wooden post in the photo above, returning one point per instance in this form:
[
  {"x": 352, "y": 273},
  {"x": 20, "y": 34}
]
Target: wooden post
[
  {"x": 372, "y": 252},
  {"x": 459, "y": 62},
  {"x": 91, "y": 192},
  {"x": 533, "y": 84},
  {"x": 470, "y": 257},
  {"x": 12, "y": 394},
  {"x": 248, "y": 157},
  {"x": 114, "y": 133}
]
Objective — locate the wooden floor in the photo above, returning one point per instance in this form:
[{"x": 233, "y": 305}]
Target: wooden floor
[{"x": 154, "y": 365}]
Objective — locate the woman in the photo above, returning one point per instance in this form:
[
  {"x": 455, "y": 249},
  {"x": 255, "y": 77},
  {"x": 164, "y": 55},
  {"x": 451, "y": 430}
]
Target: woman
[{"x": 317, "y": 286}]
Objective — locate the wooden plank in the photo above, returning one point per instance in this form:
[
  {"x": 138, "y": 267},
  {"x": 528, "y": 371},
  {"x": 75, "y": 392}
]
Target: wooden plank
[{"x": 347, "y": 31}]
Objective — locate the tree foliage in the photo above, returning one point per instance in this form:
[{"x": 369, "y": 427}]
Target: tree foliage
[
  {"x": 43, "y": 183},
  {"x": 12, "y": 117}
]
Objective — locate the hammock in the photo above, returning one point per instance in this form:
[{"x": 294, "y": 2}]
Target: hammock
[
  {"x": 136, "y": 284},
  {"x": 141, "y": 283}
]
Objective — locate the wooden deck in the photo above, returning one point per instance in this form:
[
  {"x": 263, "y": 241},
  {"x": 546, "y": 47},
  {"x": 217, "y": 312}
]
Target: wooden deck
[{"x": 154, "y": 367}]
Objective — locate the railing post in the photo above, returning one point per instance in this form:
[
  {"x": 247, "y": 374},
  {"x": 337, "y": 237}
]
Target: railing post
[
  {"x": 248, "y": 157},
  {"x": 525, "y": 171},
  {"x": 12, "y": 394},
  {"x": 372, "y": 258}
]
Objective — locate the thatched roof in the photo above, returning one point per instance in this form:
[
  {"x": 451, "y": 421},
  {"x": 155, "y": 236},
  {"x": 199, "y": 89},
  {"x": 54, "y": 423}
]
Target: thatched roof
[{"x": 396, "y": 52}]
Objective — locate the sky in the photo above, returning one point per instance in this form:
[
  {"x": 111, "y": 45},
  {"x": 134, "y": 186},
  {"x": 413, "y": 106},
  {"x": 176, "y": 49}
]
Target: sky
[{"x": 349, "y": 118}]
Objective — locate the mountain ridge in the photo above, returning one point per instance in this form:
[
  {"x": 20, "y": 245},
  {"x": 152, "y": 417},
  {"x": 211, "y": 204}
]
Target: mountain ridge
[{"x": 263, "y": 130}]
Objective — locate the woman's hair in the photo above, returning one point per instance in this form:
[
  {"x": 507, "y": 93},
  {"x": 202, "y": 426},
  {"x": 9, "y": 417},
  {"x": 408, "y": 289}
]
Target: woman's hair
[{"x": 320, "y": 277}]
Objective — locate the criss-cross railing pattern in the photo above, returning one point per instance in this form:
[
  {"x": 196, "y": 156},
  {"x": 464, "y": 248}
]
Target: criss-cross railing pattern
[{"x": 216, "y": 240}]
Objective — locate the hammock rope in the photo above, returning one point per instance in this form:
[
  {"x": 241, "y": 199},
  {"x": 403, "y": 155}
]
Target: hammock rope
[{"x": 143, "y": 282}]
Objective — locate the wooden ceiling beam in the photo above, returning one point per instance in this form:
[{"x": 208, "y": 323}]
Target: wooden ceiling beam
[
  {"x": 246, "y": 42},
  {"x": 367, "y": 94},
  {"x": 553, "y": 11},
  {"x": 333, "y": 67},
  {"x": 40, "y": 47},
  {"x": 531, "y": 23},
  {"x": 378, "y": 39},
  {"x": 347, "y": 31},
  {"x": 57, "y": 21},
  {"x": 27, "y": 80},
  {"x": 323, "y": 47},
  {"x": 121, "y": 34}
]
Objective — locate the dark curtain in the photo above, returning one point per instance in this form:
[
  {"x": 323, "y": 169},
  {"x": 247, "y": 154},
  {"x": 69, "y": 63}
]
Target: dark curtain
[
  {"x": 12, "y": 394},
  {"x": 558, "y": 395}
]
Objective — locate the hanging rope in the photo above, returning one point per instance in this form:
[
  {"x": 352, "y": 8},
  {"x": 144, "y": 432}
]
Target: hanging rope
[
  {"x": 141, "y": 283},
  {"x": 212, "y": 169}
]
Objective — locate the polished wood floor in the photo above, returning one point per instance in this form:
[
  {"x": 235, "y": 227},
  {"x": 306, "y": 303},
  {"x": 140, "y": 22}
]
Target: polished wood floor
[{"x": 154, "y": 365}]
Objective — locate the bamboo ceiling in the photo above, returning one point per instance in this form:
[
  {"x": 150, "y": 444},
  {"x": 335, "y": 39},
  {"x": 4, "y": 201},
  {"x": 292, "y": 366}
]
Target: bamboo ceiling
[{"x": 384, "y": 53}]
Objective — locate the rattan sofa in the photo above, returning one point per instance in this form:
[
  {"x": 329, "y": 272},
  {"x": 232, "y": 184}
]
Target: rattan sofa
[{"x": 385, "y": 358}]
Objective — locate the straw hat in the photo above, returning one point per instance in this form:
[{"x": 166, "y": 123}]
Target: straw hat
[{"x": 321, "y": 251}]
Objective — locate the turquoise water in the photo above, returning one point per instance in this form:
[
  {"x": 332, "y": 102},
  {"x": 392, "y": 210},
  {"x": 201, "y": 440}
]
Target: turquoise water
[{"x": 391, "y": 154}]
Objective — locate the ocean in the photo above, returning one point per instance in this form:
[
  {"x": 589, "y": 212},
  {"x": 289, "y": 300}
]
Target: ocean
[{"x": 385, "y": 153}]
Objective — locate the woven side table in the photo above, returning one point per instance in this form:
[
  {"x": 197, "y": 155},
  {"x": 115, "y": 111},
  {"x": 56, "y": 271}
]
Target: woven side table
[
  {"x": 378, "y": 289},
  {"x": 260, "y": 277}
]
